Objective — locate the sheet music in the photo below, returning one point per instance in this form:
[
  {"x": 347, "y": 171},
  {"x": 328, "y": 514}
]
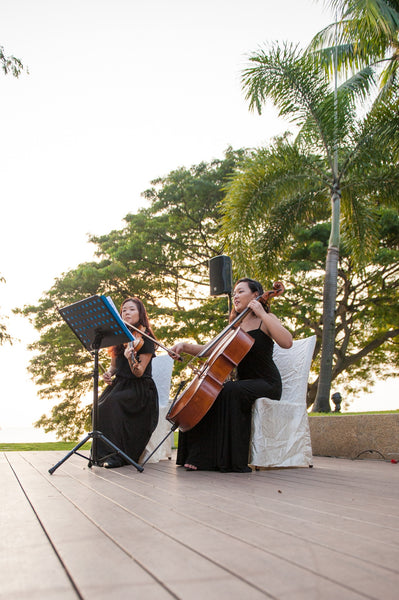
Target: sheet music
[
  {"x": 112, "y": 303},
  {"x": 111, "y": 306}
]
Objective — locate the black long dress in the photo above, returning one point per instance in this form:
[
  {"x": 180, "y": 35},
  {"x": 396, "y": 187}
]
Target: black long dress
[
  {"x": 128, "y": 408},
  {"x": 220, "y": 441}
]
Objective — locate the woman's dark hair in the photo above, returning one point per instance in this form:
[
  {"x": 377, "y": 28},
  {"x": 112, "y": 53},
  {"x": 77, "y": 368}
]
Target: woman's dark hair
[
  {"x": 143, "y": 321},
  {"x": 254, "y": 286},
  {"x": 143, "y": 317}
]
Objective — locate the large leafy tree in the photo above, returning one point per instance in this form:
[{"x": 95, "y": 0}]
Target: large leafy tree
[
  {"x": 161, "y": 255},
  {"x": 335, "y": 168},
  {"x": 366, "y": 344}
]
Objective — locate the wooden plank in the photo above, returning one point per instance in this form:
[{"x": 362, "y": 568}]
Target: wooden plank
[
  {"x": 346, "y": 563},
  {"x": 159, "y": 555},
  {"x": 299, "y": 548},
  {"x": 282, "y": 534},
  {"x": 214, "y": 535},
  {"x": 99, "y": 567},
  {"x": 29, "y": 566}
]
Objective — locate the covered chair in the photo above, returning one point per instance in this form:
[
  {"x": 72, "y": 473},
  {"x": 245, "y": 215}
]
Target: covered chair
[
  {"x": 280, "y": 429},
  {"x": 162, "y": 367}
]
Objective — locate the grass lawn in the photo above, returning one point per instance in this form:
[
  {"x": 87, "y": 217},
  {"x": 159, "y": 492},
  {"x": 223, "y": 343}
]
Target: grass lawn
[
  {"x": 21, "y": 447},
  {"x": 343, "y": 414}
]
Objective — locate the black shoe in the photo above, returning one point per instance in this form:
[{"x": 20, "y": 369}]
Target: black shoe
[{"x": 113, "y": 462}]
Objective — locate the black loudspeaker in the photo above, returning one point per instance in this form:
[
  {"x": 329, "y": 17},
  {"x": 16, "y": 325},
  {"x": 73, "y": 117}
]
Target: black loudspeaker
[{"x": 220, "y": 275}]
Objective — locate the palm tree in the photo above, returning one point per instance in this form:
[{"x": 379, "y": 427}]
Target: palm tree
[
  {"x": 365, "y": 38},
  {"x": 321, "y": 174},
  {"x": 365, "y": 34}
]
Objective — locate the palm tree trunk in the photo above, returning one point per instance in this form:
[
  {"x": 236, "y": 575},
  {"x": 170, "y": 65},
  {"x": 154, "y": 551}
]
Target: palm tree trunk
[{"x": 322, "y": 402}]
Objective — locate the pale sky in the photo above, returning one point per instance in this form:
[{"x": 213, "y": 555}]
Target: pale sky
[{"x": 119, "y": 92}]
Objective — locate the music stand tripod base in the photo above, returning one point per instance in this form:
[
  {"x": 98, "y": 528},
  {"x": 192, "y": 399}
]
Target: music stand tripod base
[
  {"x": 91, "y": 461},
  {"x": 97, "y": 324}
]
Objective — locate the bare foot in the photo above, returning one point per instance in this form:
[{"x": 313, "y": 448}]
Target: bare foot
[{"x": 189, "y": 467}]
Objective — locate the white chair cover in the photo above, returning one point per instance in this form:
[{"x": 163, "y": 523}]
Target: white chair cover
[
  {"x": 162, "y": 366},
  {"x": 280, "y": 429}
]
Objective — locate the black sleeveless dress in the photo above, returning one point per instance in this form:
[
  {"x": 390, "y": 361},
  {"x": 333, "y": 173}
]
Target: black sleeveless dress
[
  {"x": 220, "y": 441},
  {"x": 128, "y": 408}
]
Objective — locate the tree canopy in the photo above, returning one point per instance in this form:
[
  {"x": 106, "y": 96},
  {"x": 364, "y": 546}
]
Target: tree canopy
[
  {"x": 366, "y": 341},
  {"x": 161, "y": 256}
]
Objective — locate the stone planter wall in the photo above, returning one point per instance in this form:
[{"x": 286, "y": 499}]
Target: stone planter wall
[{"x": 347, "y": 436}]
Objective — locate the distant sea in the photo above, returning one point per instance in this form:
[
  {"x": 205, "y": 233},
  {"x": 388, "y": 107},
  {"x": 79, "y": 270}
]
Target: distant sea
[{"x": 9, "y": 435}]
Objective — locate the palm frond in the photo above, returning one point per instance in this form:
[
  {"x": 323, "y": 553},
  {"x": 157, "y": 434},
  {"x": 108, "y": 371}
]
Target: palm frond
[
  {"x": 382, "y": 122},
  {"x": 366, "y": 34},
  {"x": 286, "y": 76},
  {"x": 375, "y": 18},
  {"x": 274, "y": 190},
  {"x": 360, "y": 83},
  {"x": 389, "y": 78},
  {"x": 273, "y": 242},
  {"x": 359, "y": 228},
  {"x": 266, "y": 178}
]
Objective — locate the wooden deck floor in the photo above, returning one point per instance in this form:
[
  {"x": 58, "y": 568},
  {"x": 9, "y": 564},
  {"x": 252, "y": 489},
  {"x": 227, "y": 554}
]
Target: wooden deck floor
[{"x": 330, "y": 532}]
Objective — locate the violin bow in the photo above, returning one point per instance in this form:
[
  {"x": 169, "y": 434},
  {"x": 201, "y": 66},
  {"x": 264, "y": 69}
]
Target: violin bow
[{"x": 172, "y": 354}]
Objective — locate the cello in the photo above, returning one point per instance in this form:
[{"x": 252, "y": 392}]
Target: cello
[{"x": 227, "y": 350}]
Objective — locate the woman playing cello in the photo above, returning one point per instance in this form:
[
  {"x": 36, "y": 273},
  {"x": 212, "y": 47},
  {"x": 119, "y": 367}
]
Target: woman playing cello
[{"x": 220, "y": 441}]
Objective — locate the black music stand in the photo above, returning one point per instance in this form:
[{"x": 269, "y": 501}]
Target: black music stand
[{"x": 97, "y": 324}]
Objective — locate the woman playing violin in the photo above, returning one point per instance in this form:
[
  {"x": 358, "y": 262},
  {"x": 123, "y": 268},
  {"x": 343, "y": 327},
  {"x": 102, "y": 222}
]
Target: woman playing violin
[
  {"x": 128, "y": 407},
  {"x": 220, "y": 441}
]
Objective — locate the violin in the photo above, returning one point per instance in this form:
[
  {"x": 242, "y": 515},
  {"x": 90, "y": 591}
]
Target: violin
[
  {"x": 136, "y": 344},
  {"x": 227, "y": 351}
]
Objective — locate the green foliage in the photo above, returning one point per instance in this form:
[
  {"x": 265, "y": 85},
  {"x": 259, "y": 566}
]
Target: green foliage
[
  {"x": 275, "y": 188},
  {"x": 333, "y": 151},
  {"x": 367, "y": 320},
  {"x": 162, "y": 256},
  {"x": 4, "y": 335},
  {"x": 364, "y": 39},
  {"x": 338, "y": 165},
  {"x": 10, "y": 64},
  {"x": 13, "y": 65},
  {"x": 286, "y": 185}
]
